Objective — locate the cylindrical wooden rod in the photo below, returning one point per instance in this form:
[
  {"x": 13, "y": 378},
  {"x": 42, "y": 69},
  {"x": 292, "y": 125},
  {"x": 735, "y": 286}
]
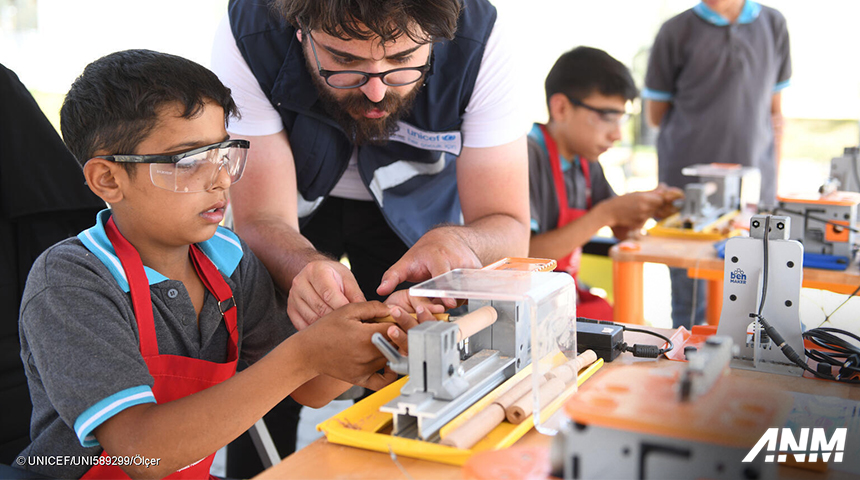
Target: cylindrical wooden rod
[
  {"x": 559, "y": 376},
  {"x": 523, "y": 387},
  {"x": 476, "y": 428},
  {"x": 474, "y": 322},
  {"x": 523, "y": 407}
]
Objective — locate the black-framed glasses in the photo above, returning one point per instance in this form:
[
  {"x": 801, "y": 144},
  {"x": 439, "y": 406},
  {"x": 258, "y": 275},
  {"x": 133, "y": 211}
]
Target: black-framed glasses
[
  {"x": 608, "y": 115},
  {"x": 344, "y": 79},
  {"x": 196, "y": 170}
]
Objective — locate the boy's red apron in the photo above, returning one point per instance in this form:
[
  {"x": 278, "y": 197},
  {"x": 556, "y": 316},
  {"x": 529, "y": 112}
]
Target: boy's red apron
[
  {"x": 587, "y": 305},
  {"x": 174, "y": 376}
]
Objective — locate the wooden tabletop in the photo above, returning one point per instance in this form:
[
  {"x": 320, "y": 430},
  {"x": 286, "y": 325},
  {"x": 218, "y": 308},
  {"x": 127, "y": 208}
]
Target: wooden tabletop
[
  {"x": 324, "y": 460},
  {"x": 701, "y": 255}
]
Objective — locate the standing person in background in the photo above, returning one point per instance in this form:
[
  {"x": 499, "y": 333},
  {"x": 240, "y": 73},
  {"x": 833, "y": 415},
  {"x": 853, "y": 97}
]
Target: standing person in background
[
  {"x": 713, "y": 86},
  {"x": 586, "y": 93},
  {"x": 387, "y": 131}
]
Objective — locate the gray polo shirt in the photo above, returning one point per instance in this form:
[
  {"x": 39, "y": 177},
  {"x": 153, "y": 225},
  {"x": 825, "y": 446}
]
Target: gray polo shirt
[
  {"x": 542, "y": 195},
  {"x": 79, "y": 337},
  {"x": 720, "y": 79}
]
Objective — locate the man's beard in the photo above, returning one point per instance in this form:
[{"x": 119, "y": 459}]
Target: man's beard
[{"x": 361, "y": 131}]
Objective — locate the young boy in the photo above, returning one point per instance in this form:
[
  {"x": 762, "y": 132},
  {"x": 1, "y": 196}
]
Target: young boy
[
  {"x": 586, "y": 92},
  {"x": 130, "y": 333}
]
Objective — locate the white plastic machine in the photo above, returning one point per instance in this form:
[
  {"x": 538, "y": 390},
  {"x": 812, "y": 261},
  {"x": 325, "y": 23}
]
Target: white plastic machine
[{"x": 763, "y": 274}]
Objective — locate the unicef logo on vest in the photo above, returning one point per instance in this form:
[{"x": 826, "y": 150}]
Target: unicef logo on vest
[
  {"x": 738, "y": 276},
  {"x": 449, "y": 137}
]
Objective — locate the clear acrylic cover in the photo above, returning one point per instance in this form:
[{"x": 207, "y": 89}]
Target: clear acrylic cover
[{"x": 536, "y": 326}]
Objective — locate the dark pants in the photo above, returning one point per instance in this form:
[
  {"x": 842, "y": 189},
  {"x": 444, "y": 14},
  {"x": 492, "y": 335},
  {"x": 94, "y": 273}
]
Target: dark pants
[
  {"x": 340, "y": 227},
  {"x": 683, "y": 299}
]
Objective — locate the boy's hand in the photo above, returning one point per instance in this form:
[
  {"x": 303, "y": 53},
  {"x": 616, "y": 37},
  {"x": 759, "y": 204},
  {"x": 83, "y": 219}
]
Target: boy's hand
[
  {"x": 321, "y": 287},
  {"x": 338, "y": 345},
  {"x": 397, "y": 333},
  {"x": 631, "y": 210},
  {"x": 670, "y": 195},
  {"x": 439, "y": 251},
  {"x": 410, "y": 304}
]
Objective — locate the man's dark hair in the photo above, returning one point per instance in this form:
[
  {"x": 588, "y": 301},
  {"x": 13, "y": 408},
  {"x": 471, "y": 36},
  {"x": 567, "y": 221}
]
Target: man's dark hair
[
  {"x": 584, "y": 71},
  {"x": 116, "y": 101},
  {"x": 365, "y": 19}
]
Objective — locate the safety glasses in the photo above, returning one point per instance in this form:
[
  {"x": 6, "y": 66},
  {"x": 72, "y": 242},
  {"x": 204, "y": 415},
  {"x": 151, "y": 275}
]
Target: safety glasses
[
  {"x": 608, "y": 116},
  {"x": 196, "y": 170}
]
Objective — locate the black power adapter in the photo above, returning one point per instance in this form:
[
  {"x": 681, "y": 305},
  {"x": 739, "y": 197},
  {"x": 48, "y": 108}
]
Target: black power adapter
[
  {"x": 607, "y": 340},
  {"x": 604, "y": 339}
]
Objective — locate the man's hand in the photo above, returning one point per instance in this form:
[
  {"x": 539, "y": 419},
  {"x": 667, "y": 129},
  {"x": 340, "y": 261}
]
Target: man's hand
[
  {"x": 440, "y": 250},
  {"x": 338, "y": 345},
  {"x": 321, "y": 287}
]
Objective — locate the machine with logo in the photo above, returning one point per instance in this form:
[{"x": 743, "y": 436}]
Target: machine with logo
[{"x": 763, "y": 274}]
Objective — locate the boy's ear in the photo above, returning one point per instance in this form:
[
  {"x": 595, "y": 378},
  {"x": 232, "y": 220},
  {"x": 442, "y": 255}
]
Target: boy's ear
[
  {"x": 558, "y": 105},
  {"x": 102, "y": 178}
]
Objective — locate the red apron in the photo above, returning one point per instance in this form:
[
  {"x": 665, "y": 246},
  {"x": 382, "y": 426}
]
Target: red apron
[
  {"x": 587, "y": 305},
  {"x": 174, "y": 376}
]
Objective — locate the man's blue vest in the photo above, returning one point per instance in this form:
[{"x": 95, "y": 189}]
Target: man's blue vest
[{"x": 412, "y": 177}]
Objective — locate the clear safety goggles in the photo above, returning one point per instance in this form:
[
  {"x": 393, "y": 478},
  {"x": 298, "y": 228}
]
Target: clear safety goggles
[{"x": 196, "y": 170}]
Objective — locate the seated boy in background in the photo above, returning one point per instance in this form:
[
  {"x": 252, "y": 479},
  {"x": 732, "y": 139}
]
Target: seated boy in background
[
  {"x": 130, "y": 333},
  {"x": 586, "y": 93}
]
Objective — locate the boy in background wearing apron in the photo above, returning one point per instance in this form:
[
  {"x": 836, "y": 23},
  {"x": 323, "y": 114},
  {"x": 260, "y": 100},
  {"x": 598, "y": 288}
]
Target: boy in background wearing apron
[
  {"x": 131, "y": 331},
  {"x": 586, "y": 92}
]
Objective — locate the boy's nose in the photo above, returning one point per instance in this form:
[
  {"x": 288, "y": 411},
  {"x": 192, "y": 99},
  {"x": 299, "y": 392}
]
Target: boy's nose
[
  {"x": 222, "y": 178},
  {"x": 374, "y": 90},
  {"x": 615, "y": 133}
]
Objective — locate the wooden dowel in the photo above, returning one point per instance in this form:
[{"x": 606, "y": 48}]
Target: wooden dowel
[
  {"x": 476, "y": 428},
  {"x": 522, "y": 408},
  {"x": 474, "y": 322}
]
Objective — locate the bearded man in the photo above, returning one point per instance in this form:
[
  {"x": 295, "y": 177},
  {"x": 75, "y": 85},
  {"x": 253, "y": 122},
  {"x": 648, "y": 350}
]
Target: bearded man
[{"x": 388, "y": 131}]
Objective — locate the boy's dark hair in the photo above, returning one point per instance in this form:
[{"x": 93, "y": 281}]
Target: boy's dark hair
[
  {"x": 116, "y": 101},
  {"x": 364, "y": 19},
  {"x": 584, "y": 71}
]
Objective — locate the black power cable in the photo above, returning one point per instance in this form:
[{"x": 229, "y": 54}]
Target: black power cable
[{"x": 638, "y": 350}]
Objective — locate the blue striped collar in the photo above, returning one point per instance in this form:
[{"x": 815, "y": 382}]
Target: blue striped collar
[
  {"x": 748, "y": 14},
  {"x": 224, "y": 249}
]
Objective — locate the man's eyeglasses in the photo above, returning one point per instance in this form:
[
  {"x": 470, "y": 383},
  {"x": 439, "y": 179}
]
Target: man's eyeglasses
[
  {"x": 343, "y": 79},
  {"x": 196, "y": 170},
  {"x": 608, "y": 115}
]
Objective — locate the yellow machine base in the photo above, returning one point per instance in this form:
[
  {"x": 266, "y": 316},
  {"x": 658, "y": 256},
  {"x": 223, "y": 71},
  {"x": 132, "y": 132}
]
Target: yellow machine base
[
  {"x": 671, "y": 227},
  {"x": 364, "y": 426}
]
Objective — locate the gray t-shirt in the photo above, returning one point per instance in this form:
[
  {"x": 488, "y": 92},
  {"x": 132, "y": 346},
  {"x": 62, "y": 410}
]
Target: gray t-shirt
[
  {"x": 720, "y": 79},
  {"x": 542, "y": 194},
  {"x": 79, "y": 339}
]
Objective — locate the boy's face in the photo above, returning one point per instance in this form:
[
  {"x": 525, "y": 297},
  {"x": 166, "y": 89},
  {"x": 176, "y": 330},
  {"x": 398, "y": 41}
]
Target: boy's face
[
  {"x": 586, "y": 132},
  {"x": 164, "y": 217},
  {"x": 371, "y": 111}
]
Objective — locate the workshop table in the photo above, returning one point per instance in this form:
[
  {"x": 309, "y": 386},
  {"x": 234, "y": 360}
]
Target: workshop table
[
  {"x": 324, "y": 460},
  {"x": 700, "y": 259}
]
